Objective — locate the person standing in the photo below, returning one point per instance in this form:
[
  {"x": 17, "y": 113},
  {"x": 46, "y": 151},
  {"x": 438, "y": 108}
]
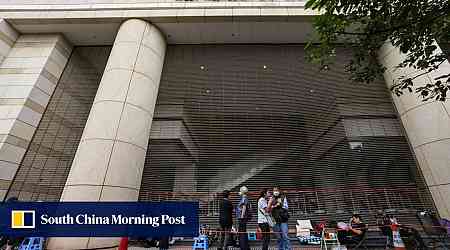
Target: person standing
[
  {"x": 164, "y": 243},
  {"x": 264, "y": 217},
  {"x": 243, "y": 216},
  {"x": 226, "y": 220},
  {"x": 280, "y": 214}
]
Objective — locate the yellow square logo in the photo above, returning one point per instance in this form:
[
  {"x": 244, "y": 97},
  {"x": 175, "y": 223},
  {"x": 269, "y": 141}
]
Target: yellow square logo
[{"x": 22, "y": 219}]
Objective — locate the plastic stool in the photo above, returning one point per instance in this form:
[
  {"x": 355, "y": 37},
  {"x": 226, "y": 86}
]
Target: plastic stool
[
  {"x": 251, "y": 235},
  {"x": 200, "y": 242},
  {"x": 32, "y": 243}
]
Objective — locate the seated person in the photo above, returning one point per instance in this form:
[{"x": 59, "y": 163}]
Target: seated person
[
  {"x": 354, "y": 232},
  {"x": 384, "y": 223}
]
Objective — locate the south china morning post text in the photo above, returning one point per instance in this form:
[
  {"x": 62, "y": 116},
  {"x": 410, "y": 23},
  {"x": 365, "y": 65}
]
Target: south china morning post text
[
  {"x": 100, "y": 219},
  {"x": 86, "y": 219}
]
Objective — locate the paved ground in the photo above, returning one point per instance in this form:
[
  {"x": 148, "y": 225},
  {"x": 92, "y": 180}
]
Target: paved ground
[
  {"x": 214, "y": 248},
  {"x": 253, "y": 246}
]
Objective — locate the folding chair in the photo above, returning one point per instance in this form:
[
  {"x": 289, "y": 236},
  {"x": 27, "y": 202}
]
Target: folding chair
[
  {"x": 33, "y": 243},
  {"x": 200, "y": 242}
]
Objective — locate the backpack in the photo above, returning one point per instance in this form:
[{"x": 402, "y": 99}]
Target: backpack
[
  {"x": 284, "y": 215},
  {"x": 280, "y": 214}
]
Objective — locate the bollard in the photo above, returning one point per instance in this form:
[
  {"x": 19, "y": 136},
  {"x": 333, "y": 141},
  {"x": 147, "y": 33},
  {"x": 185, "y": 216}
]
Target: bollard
[{"x": 123, "y": 243}]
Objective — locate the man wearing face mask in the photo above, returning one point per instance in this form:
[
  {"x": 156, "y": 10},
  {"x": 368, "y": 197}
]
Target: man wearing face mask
[
  {"x": 281, "y": 215},
  {"x": 242, "y": 215}
]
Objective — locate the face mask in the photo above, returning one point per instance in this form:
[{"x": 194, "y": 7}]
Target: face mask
[
  {"x": 240, "y": 193},
  {"x": 276, "y": 193}
]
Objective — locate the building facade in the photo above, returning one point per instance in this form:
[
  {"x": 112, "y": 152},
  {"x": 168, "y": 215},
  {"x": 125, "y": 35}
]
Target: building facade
[{"x": 104, "y": 100}]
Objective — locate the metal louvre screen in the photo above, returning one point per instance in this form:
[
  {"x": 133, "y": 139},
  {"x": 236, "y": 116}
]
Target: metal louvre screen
[
  {"x": 260, "y": 116},
  {"x": 46, "y": 164},
  {"x": 254, "y": 115}
]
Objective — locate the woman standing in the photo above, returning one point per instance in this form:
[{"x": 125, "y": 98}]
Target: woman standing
[
  {"x": 264, "y": 219},
  {"x": 281, "y": 215}
]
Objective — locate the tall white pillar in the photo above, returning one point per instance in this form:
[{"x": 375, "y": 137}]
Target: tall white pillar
[
  {"x": 427, "y": 125},
  {"x": 110, "y": 158}
]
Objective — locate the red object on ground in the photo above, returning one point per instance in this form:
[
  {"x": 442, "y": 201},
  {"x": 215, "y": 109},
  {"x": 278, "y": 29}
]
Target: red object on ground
[
  {"x": 258, "y": 234},
  {"x": 398, "y": 242},
  {"x": 123, "y": 243}
]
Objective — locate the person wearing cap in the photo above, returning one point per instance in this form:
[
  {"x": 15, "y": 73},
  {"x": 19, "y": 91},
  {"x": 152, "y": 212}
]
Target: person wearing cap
[{"x": 243, "y": 217}]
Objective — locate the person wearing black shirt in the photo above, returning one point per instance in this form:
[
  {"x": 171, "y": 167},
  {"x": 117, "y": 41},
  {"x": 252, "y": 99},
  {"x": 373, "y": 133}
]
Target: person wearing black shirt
[
  {"x": 280, "y": 213},
  {"x": 384, "y": 222},
  {"x": 164, "y": 243},
  {"x": 226, "y": 220},
  {"x": 355, "y": 231}
]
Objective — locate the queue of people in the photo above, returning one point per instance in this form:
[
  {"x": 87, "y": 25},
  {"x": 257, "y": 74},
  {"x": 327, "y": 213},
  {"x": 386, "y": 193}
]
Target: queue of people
[{"x": 272, "y": 214}]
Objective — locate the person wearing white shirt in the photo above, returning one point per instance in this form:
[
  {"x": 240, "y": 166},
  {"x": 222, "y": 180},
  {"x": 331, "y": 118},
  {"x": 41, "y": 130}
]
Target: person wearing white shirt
[{"x": 263, "y": 213}]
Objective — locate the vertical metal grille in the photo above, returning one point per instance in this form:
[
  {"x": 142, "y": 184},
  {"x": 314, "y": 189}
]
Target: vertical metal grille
[
  {"x": 44, "y": 169},
  {"x": 260, "y": 116}
]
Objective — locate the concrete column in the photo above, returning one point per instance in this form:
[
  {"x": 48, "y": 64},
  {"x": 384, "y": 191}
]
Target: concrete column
[
  {"x": 8, "y": 35},
  {"x": 427, "y": 125},
  {"x": 28, "y": 76},
  {"x": 110, "y": 158}
]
